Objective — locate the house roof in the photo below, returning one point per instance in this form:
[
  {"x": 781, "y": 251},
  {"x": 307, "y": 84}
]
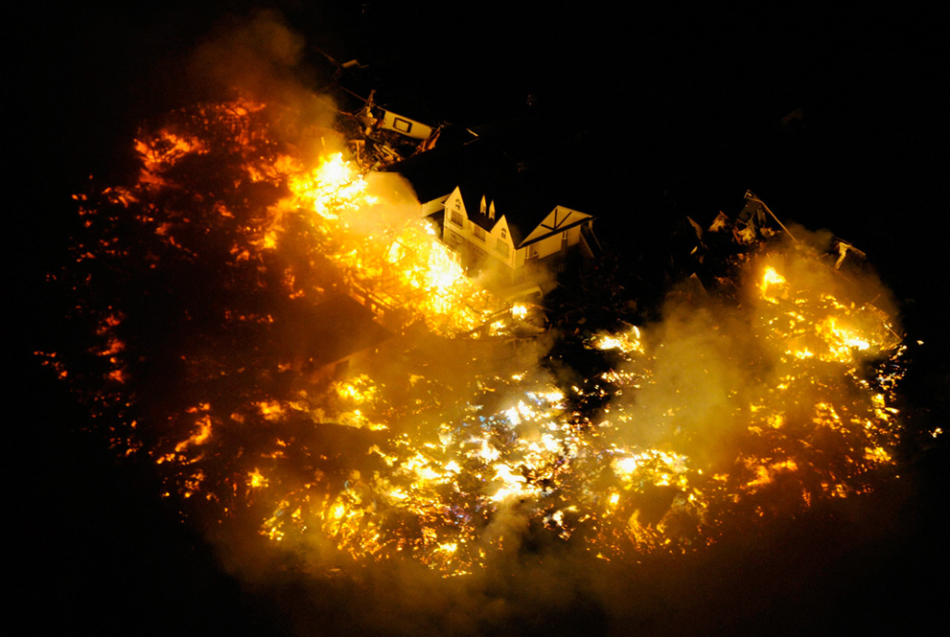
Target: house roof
[
  {"x": 479, "y": 168},
  {"x": 525, "y": 201}
]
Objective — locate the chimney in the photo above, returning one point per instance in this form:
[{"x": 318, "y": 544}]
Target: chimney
[
  {"x": 491, "y": 209},
  {"x": 481, "y": 208}
]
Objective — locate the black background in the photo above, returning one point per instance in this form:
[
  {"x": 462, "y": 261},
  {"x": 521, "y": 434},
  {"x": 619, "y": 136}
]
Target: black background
[{"x": 655, "y": 113}]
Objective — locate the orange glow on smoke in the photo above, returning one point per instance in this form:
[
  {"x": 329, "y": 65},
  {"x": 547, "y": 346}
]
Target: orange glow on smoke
[{"x": 399, "y": 453}]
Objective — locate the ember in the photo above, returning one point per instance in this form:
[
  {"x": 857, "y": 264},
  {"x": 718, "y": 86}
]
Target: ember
[
  {"x": 301, "y": 412},
  {"x": 397, "y": 427}
]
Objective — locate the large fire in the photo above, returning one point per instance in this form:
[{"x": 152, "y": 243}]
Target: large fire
[{"x": 449, "y": 438}]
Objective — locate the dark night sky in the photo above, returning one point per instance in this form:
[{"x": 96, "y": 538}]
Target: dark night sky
[{"x": 655, "y": 115}]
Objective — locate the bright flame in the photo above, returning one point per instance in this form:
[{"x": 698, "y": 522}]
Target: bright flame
[{"x": 420, "y": 462}]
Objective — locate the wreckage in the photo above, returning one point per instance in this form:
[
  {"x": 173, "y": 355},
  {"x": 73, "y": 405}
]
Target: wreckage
[
  {"x": 754, "y": 225},
  {"x": 200, "y": 284},
  {"x": 380, "y": 138}
]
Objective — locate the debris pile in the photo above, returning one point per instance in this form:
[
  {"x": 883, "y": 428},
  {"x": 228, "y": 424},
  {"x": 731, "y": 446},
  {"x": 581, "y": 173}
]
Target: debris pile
[{"x": 207, "y": 287}]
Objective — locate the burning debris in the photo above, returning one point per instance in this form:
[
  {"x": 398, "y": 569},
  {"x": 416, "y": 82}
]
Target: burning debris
[
  {"x": 383, "y": 138},
  {"x": 296, "y": 351}
]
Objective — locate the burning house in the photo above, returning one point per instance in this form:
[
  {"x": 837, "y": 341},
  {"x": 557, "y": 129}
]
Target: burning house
[
  {"x": 519, "y": 240},
  {"x": 303, "y": 367},
  {"x": 799, "y": 369},
  {"x": 486, "y": 210},
  {"x": 382, "y": 138},
  {"x": 495, "y": 216}
]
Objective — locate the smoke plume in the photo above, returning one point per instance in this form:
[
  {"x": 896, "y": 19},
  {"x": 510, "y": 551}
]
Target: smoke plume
[{"x": 377, "y": 445}]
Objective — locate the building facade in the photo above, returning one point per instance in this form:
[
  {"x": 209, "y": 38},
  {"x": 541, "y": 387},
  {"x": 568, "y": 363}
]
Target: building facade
[{"x": 518, "y": 241}]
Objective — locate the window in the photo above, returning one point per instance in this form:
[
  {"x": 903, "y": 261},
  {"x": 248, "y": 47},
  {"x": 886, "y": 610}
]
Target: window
[
  {"x": 533, "y": 251},
  {"x": 501, "y": 246},
  {"x": 457, "y": 218},
  {"x": 479, "y": 231},
  {"x": 402, "y": 125},
  {"x": 504, "y": 233}
]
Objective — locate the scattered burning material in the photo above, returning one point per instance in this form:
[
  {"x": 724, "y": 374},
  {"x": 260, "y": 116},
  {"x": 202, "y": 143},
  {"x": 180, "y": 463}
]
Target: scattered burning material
[
  {"x": 299, "y": 355},
  {"x": 381, "y": 138}
]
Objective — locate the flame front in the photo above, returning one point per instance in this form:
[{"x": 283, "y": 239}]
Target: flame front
[{"x": 428, "y": 445}]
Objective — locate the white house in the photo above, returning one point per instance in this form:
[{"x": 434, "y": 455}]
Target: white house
[{"x": 519, "y": 238}]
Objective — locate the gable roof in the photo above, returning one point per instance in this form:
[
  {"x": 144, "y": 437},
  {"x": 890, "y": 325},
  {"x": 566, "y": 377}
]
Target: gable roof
[
  {"x": 558, "y": 220},
  {"x": 480, "y": 168},
  {"x": 527, "y": 201}
]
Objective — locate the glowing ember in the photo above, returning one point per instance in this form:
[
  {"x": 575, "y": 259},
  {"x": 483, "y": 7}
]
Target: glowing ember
[{"x": 225, "y": 370}]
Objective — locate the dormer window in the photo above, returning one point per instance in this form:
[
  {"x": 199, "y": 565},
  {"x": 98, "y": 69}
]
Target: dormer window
[{"x": 457, "y": 214}]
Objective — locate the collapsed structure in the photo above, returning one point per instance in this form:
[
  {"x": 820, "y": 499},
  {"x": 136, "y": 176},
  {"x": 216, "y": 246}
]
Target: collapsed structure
[
  {"x": 497, "y": 217},
  {"x": 486, "y": 210},
  {"x": 218, "y": 334}
]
